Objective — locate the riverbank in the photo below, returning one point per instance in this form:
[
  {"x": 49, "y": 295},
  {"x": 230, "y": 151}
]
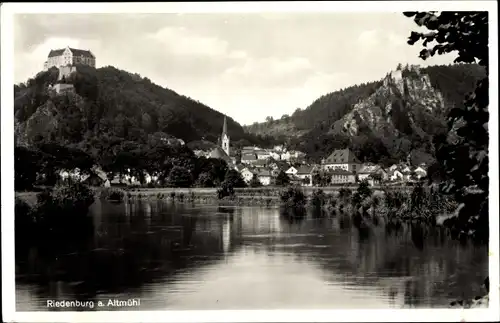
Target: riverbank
[{"x": 387, "y": 203}]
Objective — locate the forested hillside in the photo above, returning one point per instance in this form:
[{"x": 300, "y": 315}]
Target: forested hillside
[
  {"x": 111, "y": 107},
  {"x": 384, "y": 121}
]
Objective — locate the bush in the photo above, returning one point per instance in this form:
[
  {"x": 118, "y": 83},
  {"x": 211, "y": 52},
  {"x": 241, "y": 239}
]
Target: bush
[
  {"x": 75, "y": 198},
  {"x": 226, "y": 190},
  {"x": 24, "y": 217},
  {"x": 345, "y": 193},
  {"x": 318, "y": 198},
  {"x": 59, "y": 213},
  {"x": 293, "y": 197},
  {"x": 255, "y": 182},
  {"x": 112, "y": 194}
]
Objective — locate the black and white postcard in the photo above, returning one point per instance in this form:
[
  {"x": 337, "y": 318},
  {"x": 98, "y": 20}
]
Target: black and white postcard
[{"x": 250, "y": 161}]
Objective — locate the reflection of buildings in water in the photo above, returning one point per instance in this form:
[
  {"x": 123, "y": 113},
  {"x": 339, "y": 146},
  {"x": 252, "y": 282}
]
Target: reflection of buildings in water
[
  {"x": 226, "y": 235},
  {"x": 147, "y": 211},
  {"x": 262, "y": 221},
  {"x": 126, "y": 206}
]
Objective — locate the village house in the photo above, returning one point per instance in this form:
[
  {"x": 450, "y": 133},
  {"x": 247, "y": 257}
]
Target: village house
[
  {"x": 247, "y": 174},
  {"x": 248, "y": 158},
  {"x": 406, "y": 174},
  {"x": 393, "y": 167},
  {"x": 263, "y": 155},
  {"x": 368, "y": 172},
  {"x": 341, "y": 176},
  {"x": 420, "y": 172},
  {"x": 275, "y": 155},
  {"x": 61, "y": 88},
  {"x": 148, "y": 178},
  {"x": 260, "y": 163},
  {"x": 305, "y": 173},
  {"x": 395, "y": 175},
  {"x": 342, "y": 158},
  {"x": 291, "y": 171},
  {"x": 264, "y": 176},
  {"x": 94, "y": 179}
]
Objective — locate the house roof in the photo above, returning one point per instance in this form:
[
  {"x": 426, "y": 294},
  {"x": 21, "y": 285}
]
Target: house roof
[
  {"x": 239, "y": 167},
  {"x": 75, "y": 51},
  {"x": 218, "y": 153},
  {"x": 262, "y": 172},
  {"x": 260, "y": 162},
  {"x": 341, "y": 156},
  {"x": 249, "y": 157},
  {"x": 305, "y": 170},
  {"x": 370, "y": 169},
  {"x": 392, "y": 172},
  {"x": 56, "y": 52}
]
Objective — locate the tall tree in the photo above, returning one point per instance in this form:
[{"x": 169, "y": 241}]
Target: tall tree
[{"x": 464, "y": 155}]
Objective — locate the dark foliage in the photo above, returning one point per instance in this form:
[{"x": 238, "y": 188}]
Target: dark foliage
[
  {"x": 112, "y": 105},
  {"x": 282, "y": 179},
  {"x": 464, "y": 153}
]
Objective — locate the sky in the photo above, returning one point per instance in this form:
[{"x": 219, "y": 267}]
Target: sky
[{"x": 248, "y": 66}]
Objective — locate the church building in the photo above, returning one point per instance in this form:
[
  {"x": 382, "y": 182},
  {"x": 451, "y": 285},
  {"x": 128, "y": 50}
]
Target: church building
[{"x": 222, "y": 149}]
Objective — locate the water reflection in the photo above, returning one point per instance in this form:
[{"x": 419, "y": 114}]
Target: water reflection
[{"x": 176, "y": 256}]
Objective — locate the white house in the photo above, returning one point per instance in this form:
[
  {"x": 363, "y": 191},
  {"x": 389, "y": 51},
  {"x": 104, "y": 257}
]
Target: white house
[
  {"x": 275, "y": 155},
  {"x": 343, "y": 159},
  {"x": 262, "y": 154},
  {"x": 393, "y": 167},
  {"x": 291, "y": 171},
  {"x": 148, "y": 178},
  {"x": 341, "y": 176},
  {"x": 395, "y": 175},
  {"x": 305, "y": 173},
  {"x": 420, "y": 172},
  {"x": 264, "y": 177},
  {"x": 366, "y": 172},
  {"x": 405, "y": 169},
  {"x": 247, "y": 174}
]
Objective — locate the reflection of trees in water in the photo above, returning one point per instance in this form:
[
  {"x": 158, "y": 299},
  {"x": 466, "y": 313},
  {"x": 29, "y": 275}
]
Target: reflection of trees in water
[
  {"x": 419, "y": 262},
  {"x": 142, "y": 242},
  {"x": 130, "y": 248}
]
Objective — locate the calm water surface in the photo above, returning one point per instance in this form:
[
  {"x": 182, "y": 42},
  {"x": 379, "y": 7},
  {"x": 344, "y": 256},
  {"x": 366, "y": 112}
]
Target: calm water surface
[{"x": 174, "y": 256}]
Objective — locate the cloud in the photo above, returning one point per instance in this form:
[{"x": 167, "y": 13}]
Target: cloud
[
  {"x": 181, "y": 41},
  {"x": 269, "y": 71},
  {"x": 369, "y": 38}
]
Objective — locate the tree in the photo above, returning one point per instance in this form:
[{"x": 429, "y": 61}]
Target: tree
[
  {"x": 234, "y": 178},
  {"x": 179, "y": 177},
  {"x": 464, "y": 155},
  {"x": 26, "y": 167},
  {"x": 204, "y": 180},
  {"x": 255, "y": 182},
  {"x": 282, "y": 179}
]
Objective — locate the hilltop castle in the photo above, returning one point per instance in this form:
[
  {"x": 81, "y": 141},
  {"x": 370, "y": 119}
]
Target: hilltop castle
[{"x": 68, "y": 57}]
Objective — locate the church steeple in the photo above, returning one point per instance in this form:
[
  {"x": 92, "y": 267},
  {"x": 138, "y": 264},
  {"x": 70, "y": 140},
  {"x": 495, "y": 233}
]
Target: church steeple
[
  {"x": 224, "y": 138},
  {"x": 224, "y": 127}
]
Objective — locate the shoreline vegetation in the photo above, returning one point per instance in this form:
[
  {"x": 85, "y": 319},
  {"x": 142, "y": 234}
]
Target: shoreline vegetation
[{"x": 366, "y": 204}]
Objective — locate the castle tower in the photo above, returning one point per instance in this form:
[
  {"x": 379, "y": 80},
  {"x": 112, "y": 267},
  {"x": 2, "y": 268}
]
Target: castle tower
[{"x": 225, "y": 137}]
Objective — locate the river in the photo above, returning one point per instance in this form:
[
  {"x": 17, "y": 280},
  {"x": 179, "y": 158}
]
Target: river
[{"x": 172, "y": 256}]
